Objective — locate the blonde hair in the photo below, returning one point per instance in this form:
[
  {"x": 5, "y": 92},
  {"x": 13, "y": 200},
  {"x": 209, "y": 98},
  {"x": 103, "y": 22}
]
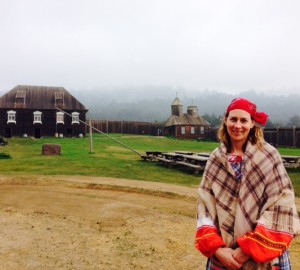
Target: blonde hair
[{"x": 256, "y": 135}]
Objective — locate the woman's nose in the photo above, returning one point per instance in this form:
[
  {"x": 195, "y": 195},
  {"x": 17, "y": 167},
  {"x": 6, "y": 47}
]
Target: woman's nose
[{"x": 238, "y": 124}]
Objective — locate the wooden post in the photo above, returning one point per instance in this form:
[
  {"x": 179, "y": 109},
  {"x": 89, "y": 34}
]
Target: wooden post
[
  {"x": 277, "y": 136},
  {"x": 91, "y": 137},
  {"x": 294, "y": 136}
]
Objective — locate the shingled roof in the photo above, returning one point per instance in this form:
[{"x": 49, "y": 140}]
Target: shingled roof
[
  {"x": 185, "y": 120},
  {"x": 40, "y": 97}
]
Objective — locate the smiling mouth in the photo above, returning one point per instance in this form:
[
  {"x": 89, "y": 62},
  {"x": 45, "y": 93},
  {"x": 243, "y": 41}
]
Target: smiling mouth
[{"x": 238, "y": 132}]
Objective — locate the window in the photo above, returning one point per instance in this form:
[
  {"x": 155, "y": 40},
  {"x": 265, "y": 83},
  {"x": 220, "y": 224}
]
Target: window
[
  {"x": 59, "y": 118},
  {"x": 75, "y": 118},
  {"x": 37, "y": 117},
  {"x": 202, "y": 130},
  {"x": 11, "y": 117},
  {"x": 20, "y": 97},
  {"x": 59, "y": 99},
  {"x": 182, "y": 130},
  {"x": 192, "y": 130}
]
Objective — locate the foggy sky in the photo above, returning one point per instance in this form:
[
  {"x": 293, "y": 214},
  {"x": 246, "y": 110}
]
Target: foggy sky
[{"x": 229, "y": 46}]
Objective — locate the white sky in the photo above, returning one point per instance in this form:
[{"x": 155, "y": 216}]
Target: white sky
[{"x": 224, "y": 45}]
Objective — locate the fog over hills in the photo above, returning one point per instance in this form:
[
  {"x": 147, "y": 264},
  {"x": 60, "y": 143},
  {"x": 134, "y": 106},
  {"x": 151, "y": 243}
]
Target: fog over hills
[{"x": 152, "y": 104}]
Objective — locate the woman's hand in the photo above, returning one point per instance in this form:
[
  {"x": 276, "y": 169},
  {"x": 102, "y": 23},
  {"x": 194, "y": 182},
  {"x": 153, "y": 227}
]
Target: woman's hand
[
  {"x": 240, "y": 256},
  {"x": 225, "y": 256}
]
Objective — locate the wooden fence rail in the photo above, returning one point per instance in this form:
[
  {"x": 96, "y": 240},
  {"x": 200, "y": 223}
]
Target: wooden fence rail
[
  {"x": 279, "y": 137},
  {"x": 286, "y": 137}
]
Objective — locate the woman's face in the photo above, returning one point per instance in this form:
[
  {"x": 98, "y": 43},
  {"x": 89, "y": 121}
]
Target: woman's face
[{"x": 239, "y": 124}]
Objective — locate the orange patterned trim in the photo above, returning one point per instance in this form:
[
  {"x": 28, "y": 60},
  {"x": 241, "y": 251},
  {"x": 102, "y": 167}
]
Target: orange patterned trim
[
  {"x": 266, "y": 242},
  {"x": 206, "y": 235}
]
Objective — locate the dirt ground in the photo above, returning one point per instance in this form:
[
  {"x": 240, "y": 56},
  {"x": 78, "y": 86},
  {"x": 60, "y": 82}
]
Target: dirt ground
[{"x": 66, "y": 222}]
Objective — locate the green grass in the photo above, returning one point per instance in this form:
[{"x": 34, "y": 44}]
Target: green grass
[{"x": 109, "y": 158}]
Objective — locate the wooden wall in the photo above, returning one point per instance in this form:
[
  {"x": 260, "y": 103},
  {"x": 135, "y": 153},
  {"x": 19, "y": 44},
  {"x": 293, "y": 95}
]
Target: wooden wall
[
  {"x": 285, "y": 137},
  {"x": 128, "y": 127}
]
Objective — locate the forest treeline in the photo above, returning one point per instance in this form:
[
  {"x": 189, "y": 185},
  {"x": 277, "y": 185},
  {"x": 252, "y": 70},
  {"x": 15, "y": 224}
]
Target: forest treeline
[{"x": 153, "y": 104}]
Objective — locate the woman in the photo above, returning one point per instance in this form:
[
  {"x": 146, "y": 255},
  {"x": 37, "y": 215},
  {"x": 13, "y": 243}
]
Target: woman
[{"x": 247, "y": 216}]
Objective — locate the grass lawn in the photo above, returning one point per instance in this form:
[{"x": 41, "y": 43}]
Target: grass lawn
[{"x": 109, "y": 158}]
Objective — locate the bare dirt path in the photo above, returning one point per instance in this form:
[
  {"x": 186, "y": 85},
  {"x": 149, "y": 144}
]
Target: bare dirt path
[
  {"x": 93, "y": 223},
  {"x": 67, "y": 222}
]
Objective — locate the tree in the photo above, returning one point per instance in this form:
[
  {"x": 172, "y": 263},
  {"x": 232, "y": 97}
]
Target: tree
[
  {"x": 214, "y": 120},
  {"x": 294, "y": 121}
]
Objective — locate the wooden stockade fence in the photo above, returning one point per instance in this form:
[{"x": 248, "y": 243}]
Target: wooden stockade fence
[
  {"x": 279, "y": 137},
  {"x": 128, "y": 127},
  {"x": 196, "y": 162},
  {"x": 288, "y": 137}
]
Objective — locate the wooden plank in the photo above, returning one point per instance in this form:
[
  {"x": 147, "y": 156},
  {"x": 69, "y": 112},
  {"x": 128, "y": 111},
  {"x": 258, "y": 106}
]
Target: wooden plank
[
  {"x": 198, "y": 167},
  {"x": 147, "y": 157},
  {"x": 195, "y": 168},
  {"x": 165, "y": 160},
  {"x": 169, "y": 154},
  {"x": 204, "y": 154},
  {"x": 195, "y": 158},
  {"x": 184, "y": 153},
  {"x": 153, "y": 153},
  {"x": 291, "y": 159}
]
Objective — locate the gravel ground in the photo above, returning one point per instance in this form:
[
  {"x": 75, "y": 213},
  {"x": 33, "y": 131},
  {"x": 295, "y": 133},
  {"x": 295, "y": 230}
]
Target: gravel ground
[{"x": 67, "y": 222}]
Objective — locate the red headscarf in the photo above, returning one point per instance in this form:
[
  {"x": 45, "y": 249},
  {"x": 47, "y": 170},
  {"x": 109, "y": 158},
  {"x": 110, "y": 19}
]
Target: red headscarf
[{"x": 245, "y": 105}]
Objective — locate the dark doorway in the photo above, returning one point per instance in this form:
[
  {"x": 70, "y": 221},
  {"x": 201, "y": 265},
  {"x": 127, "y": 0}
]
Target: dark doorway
[
  {"x": 8, "y": 132},
  {"x": 69, "y": 132},
  {"x": 37, "y": 133}
]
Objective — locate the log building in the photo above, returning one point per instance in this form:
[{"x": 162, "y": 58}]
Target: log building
[
  {"x": 186, "y": 125},
  {"x": 33, "y": 111}
]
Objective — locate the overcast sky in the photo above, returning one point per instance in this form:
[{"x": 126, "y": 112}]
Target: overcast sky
[{"x": 225, "y": 45}]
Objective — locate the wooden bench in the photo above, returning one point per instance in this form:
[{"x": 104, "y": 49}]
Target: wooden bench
[
  {"x": 195, "y": 168},
  {"x": 184, "y": 153},
  {"x": 195, "y": 159},
  {"x": 154, "y": 153},
  {"x": 204, "y": 154},
  {"x": 147, "y": 157},
  {"x": 166, "y": 161},
  {"x": 291, "y": 161}
]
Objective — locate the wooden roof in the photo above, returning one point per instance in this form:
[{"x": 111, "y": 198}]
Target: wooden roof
[
  {"x": 186, "y": 120},
  {"x": 40, "y": 97},
  {"x": 176, "y": 102}
]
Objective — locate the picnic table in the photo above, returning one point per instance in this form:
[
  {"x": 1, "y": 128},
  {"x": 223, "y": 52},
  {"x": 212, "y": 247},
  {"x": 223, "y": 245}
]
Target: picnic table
[
  {"x": 193, "y": 162},
  {"x": 204, "y": 154},
  {"x": 168, "y": 158},
  {"x": 184, "y": 153},
  {"x": 197, "y": 161},
  {"x": 153, "y": 153},
  {"x": 150, "y": 155},
  {"x": 291, "y": 161}
]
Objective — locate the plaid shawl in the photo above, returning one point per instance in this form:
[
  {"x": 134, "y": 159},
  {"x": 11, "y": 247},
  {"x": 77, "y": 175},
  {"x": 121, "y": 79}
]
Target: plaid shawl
[{"x": 264, "y": 195}]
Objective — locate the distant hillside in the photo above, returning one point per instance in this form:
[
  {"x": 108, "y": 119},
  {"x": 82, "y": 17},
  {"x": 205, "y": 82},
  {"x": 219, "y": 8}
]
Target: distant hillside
[{"x": 154, "y": 104}]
